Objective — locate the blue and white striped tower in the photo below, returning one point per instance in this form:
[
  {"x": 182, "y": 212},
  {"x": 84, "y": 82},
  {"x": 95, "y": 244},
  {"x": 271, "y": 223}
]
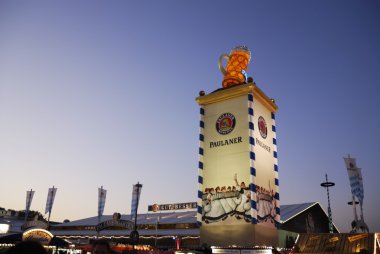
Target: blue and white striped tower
[
  {"x": 277, "y": 190},
  {"x": 200, "y": 165},
  {"x": 252, "y": 169}
]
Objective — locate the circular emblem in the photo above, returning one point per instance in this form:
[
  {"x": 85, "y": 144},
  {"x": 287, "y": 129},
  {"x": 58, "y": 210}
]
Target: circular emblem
[
  {"x": 225, "y": 123},
  {"x": 262, "y": 127},
  {"x": 116, "y": 216},
  {"x": 155, "y": 208}
]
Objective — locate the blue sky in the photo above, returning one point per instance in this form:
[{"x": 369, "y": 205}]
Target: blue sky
[{"x": 102, "y": 93}]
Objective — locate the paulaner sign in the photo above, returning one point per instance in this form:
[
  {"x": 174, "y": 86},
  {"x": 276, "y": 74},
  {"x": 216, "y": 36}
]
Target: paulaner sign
[{"x": 165, "y": 207}]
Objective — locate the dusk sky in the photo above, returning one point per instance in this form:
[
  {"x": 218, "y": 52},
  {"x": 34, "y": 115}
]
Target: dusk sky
[{"x": 102, "y": 93}]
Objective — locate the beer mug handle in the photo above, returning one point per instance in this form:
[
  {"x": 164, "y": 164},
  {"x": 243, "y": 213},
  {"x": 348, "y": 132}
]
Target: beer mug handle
[{"x": 220, "y": 63}]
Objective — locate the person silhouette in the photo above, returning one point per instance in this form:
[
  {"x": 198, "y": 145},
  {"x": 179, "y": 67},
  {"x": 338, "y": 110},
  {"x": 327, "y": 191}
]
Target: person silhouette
[
  {"x": 27, "y": 247},
  {"x": 101, "y": 247}
]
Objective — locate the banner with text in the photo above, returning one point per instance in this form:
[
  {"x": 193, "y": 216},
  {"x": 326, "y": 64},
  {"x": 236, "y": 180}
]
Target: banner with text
[{"x": 226, "y": 174}]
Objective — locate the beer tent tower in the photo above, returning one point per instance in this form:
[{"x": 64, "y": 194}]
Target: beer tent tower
[{"x": 238, "y": 195}]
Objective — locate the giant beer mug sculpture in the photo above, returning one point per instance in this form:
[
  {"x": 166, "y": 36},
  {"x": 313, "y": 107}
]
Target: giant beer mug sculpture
[{"x": 236, "y": 69}]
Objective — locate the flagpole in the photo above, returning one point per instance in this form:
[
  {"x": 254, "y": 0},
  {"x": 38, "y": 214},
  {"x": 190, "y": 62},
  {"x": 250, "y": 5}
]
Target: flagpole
[
  {"x": 155, "y": 240},
  {"x": 138, "y": 199},
  {"x": 101, "y": 191},
  {"x": 361, "y": 212},
  {"x": 326, "y": 185},
  {"x": 134, "y": 234},
  {"x": 354, "y": 206}
]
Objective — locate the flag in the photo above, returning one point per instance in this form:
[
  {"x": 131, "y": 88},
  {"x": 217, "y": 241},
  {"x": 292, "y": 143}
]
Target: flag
[
  {"x": 50, "y": 199},
  {"x": 135, "y": 199},
  {"x": 355, "y": 177},
  {"x": 361, "y": 189},
  {"x": 101, "y": 200},
  {"x": 29, "y": 198},
  {"x": 350, "y": 162}
]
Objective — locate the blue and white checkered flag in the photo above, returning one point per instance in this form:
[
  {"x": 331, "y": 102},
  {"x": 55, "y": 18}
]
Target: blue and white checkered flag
[
  {"x": 50, "y": 199},
  {"x": 135, "y": 199},
  {"x": 360, "y": 193},
  {"x": 29, "y": 198},
  {"x": 355, "y": 177},
  {"x": 102, "y": 193}
]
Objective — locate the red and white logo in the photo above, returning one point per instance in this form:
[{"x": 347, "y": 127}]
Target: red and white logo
[
  {"x": 262, "y": 127},
  {"x": 225, "y": 123}
]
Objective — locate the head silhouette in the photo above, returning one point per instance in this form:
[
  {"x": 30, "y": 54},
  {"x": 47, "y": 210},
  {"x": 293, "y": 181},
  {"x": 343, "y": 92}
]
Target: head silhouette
[{"x": 27, "y": 247}]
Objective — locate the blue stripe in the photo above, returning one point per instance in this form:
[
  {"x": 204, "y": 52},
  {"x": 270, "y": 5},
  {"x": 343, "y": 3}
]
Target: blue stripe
[
  {"x": 200, "y": 194},
  {"x": 278, "y": 210},
  {"x": 202, "y": 124},
  {"x": 273, "y": 117},
  {"x": 253, "y": 187},
  {"x": 250, "y": 111},
  {"x": 199, "y": 209},
  {"x": 253, "y": 171},
  {"x": 251, "y": 141},
  {"x": 202, "y": 111},
  {"x": 200, "y": 179},
  {"x": 277, "y": 196},
  {"x": 251, "y": 127},
  {"x": 250, "y": 97},
  {"x": 201, "y": 137},
  {"x": 274, "y": 141},
  {"x": 253, "y": 204},
  {"x": 200, "y": 150},
  {"x": 254, "y": 221},
  {"x": 273, "y": 128},
  {"x": 200, "y": 165},
  {"x": 275, "y": 154},
  {"x": 275, "y": 168},
  {"x": 252, "y": 155},
  {"x": 199, "y": 224},
  {"x": 276, "y": 181},
  {"x": 278, "y": 225}
]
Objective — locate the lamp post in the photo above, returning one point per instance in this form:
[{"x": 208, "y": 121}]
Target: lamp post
[
  {"x": 326, "y": 185},
  {"x": 157, "y": 221},
  {"x": 354, "y": 203},
  {"x": 134, "y": 236}
]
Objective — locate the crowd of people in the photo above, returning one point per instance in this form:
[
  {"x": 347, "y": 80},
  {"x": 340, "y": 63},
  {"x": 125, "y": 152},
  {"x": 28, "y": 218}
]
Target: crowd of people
[{"x": 33, "y": 247}]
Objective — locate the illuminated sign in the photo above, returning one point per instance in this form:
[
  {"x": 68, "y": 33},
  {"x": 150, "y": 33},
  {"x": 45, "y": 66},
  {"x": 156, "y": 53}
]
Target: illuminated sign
[
  {"x": 4, "y": 228},
  {"x": 165, "y": 207},
  {"x": 34, "y": 224},
  {"x": 127, "y": 224},
  {"x": 356, "y": 237},
  {"x": 38, "y": 235}
]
